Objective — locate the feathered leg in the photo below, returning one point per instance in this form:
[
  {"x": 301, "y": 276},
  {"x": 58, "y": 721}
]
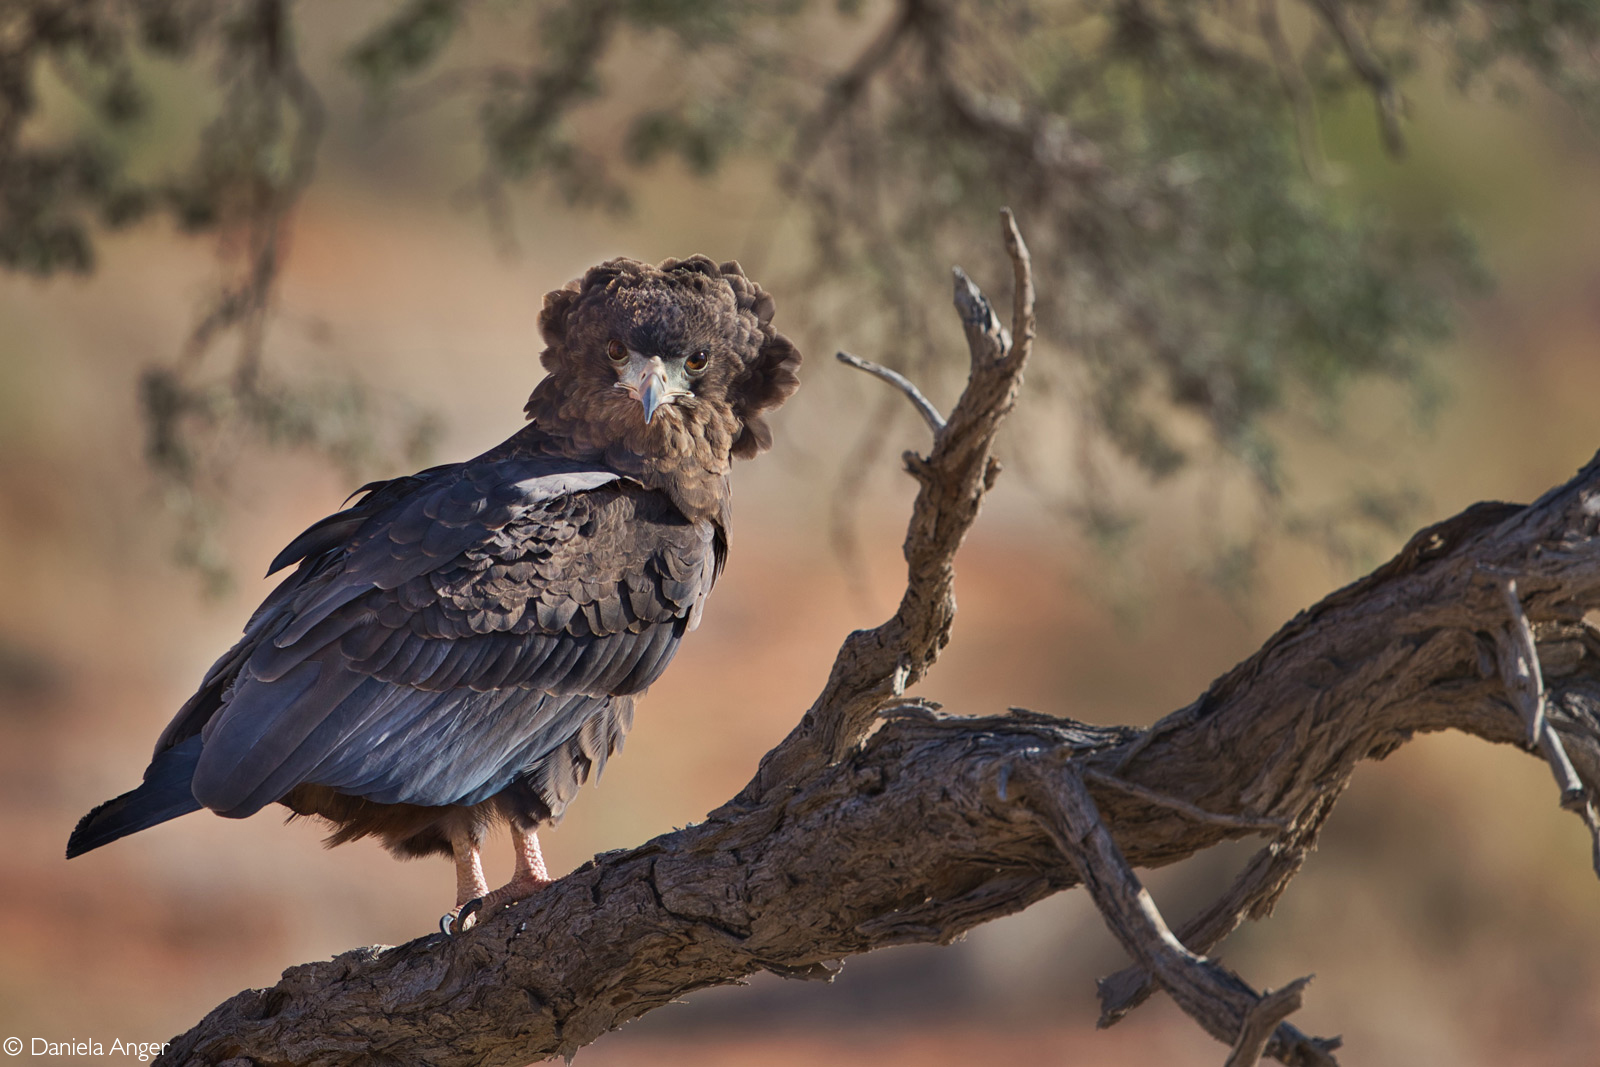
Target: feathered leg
[{"x": 527, "y": 877}]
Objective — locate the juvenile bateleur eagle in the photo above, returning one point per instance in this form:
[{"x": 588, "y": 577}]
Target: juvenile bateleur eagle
[{"x": 465, "y": 646}]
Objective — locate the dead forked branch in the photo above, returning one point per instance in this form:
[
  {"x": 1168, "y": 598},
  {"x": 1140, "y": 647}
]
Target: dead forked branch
[
  {"x": 1217, "y": 998},
  {"x": 874, "y": 667},
  {"x": 849, "y": 839}
]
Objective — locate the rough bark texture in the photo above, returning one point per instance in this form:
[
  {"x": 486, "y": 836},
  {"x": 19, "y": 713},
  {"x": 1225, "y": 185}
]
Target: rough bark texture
[{"x": 846, "y": 842}]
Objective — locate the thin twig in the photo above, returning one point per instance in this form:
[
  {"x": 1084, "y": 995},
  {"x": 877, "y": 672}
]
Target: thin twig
[
  {"x": 1293, "y": 80},
  {"x": 924, "y": 406},
  {"x": 1519, "y": 662},
  {"x": 1523, "y": 676},
  {"x": 844, "y": 502},
  {"x": 448, "y": 85},
  {"x": 1274, "y": 1006},
  {"x": 1368, "y": 68},
  {"x": 1252, "y": 895},
  {"x": 842, "y": 93},
  {"x": 1592, "y": 822},
  {"x": 1524, "y": 682},
  {"x": 1256, "y": 823}
]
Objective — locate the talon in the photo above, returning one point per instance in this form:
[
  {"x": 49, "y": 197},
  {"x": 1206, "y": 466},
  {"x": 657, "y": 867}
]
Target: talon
[
  {"x": 529, "y": 876},
  {"x": 463, "y": 919}
]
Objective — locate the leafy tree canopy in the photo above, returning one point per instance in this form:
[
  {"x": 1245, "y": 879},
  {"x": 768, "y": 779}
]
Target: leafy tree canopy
[{"x": 1164, "y": 156}]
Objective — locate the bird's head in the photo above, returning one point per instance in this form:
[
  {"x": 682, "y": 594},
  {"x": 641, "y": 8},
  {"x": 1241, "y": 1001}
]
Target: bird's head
[{"x": 677, "y": 362}]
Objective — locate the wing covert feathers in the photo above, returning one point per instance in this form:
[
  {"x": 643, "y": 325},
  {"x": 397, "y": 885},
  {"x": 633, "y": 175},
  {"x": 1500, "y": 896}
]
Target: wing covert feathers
[{"x": 468, "y": 631}]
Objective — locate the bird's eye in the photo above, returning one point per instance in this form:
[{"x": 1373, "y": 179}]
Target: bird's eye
[
  {"x": 697, "y": 361},
  {"x": 616, "y": 350}
]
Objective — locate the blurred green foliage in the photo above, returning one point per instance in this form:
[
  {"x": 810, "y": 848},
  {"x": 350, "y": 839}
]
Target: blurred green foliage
[{"x": 1163, "y": 156}]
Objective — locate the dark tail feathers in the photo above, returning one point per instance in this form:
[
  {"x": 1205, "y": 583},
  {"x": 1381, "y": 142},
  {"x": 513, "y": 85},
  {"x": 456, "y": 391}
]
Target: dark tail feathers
[{"x": 164, "y": 795}]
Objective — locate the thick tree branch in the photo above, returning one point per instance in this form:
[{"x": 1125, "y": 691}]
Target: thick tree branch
[{"x": 849, "y": 840}]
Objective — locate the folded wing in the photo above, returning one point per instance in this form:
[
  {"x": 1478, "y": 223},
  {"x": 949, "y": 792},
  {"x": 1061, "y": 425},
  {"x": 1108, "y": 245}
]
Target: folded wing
[{"x": 450, "y": 633}]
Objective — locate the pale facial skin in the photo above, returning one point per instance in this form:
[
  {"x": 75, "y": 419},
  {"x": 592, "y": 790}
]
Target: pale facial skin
[{"x": 652, "y": 380}]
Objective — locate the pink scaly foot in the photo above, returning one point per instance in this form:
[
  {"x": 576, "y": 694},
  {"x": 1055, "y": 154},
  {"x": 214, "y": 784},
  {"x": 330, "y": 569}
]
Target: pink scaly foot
[
  {"x": 470, "y": 883},
  {"x": 528, "y": 877}
]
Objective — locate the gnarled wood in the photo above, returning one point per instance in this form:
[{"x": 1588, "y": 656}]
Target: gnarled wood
[{"x": 934, "y": 824}]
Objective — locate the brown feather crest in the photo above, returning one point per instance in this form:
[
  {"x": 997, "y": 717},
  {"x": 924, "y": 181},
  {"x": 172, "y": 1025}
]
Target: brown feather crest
[{"x": 770, "y": 360}]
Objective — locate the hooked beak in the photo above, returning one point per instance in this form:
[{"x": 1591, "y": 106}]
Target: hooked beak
[
  {"x": 650, "y": 382},
  {"x": 653, "y": 390}
]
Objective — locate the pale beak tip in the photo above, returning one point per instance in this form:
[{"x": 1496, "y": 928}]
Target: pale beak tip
[{"x": 653, "y": 396}]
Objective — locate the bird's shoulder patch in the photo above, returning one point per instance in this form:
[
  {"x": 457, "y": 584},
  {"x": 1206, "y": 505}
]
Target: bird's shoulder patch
[{"x": 614, "y": 560}]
